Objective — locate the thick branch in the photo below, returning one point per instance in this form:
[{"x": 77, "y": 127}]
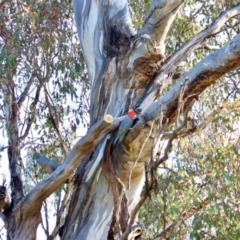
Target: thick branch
[
  {"x": 148, "y": 48},
  {"x": 32, "y": 202},
  {"x": 204, "y": 74},
  {"x": 172, "y": 62},
  {"x": 159, "y": 19}
]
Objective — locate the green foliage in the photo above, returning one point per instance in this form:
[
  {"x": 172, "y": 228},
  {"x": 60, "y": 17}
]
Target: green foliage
[
  {"x": 204, "y": 165},
  {"x": 40, "y": 51},
  {"x": 38, "y": 40},
  {"x": 138, "y": 10}
]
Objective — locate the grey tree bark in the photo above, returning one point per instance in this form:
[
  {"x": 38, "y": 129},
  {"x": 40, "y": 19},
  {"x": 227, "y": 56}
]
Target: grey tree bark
[
  {"x": 127, "y": 69},
  {"x": 122, "y": 64}
]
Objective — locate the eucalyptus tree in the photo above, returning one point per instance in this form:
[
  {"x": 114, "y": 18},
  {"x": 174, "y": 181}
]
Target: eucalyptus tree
[
  {"x": 41, "y": 65},
  {"x": 143, "y": 69}
]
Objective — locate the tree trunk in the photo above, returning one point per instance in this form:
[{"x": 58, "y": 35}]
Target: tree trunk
[
  {"x": 121, "y": 64},
  {"x": 126, "y": 70},
  {"x": 15, "y": 162}
]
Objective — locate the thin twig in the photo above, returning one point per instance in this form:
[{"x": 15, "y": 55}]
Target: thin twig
[
  {"x": 64, "y": 203},
  {"x": 26, "y": 90},
  {"x": 33, "y": 113},
  {"x": 54, "y": 119}
]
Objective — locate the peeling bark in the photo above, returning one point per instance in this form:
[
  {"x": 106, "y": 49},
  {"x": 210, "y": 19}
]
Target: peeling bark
[
  {"x": 160, "y": 82},
  {"x": 159, "y": 19},
  {"x": 203, "y": 75},
  {"x": 117, "y": 174},
  {"x": 126, "y": 70}
]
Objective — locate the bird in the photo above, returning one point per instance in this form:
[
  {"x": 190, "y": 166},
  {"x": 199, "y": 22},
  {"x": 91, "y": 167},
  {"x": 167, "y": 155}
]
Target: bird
[
  {"x": 47, "y": 164},
  {"x": 125, "y": 126}
]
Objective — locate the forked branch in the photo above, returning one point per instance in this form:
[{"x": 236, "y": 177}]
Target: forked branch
[
  {"x": 171, "y": 63},
  {"x": 204, "y": 74}
]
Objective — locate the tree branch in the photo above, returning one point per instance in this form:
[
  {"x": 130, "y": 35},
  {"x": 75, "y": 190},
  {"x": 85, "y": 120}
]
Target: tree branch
[
  {"x": 54, "y": 120},
  {"x": 159, "y": 19},
  {"x": 148, "y": 48},
  {"x": 33, "y": 200},
  {"x": 33, "y": 113},
  {"x": 171, "y": 63},
  {"x": 194, "y": 42},
  {"x": 64, "y": 203},
  {"x": 186, "y": 215},
  {"x": 26, "y": 91},
  {"x": 225, "y": 106},
  {"x": 203, "y": 75}
]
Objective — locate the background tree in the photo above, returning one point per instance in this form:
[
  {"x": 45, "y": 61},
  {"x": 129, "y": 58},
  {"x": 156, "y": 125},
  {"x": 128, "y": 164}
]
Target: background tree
[
  {"x": 41, "y": 70},
  {"x": 160, "y": 69}
]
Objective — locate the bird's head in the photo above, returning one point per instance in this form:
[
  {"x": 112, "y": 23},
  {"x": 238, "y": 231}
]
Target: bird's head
[{"x": 132, "y": 114}]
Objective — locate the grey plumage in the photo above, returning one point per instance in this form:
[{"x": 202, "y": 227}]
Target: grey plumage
[
  {"x": 46, "y": 163},
  {"x": 123, "y": 129}
]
